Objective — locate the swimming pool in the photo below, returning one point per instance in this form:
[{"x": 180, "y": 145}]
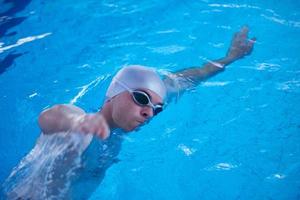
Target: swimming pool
[{"x": 236, "y": 136}]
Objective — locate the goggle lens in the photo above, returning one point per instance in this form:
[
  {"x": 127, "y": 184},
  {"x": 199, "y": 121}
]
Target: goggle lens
[{"x": 142, "y": 98}]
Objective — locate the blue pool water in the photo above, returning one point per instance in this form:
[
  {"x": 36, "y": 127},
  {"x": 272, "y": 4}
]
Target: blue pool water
[{"x": 236, "y": 136}]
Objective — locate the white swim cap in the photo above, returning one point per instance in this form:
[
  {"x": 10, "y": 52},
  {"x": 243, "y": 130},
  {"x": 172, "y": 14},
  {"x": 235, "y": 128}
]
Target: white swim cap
[{"x": 136, "y": 77}]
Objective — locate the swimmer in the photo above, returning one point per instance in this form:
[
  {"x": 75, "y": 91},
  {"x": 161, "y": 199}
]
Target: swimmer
[{"x": 136, "y": 94}]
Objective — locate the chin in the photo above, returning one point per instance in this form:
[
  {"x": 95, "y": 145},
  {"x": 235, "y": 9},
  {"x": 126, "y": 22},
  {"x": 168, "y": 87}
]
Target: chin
[
  {"x": 128, "y": 129},
  {"x": 131, "y": 128}
]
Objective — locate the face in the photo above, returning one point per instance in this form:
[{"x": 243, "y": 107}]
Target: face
[{"x": 128, "y": 115}]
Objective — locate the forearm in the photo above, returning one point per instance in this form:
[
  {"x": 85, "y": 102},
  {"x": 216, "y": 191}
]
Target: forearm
[
  {"x": 59, "y": 118},
  {"x": 184, "y": 79},
  {"x": 198, "y": 74}
]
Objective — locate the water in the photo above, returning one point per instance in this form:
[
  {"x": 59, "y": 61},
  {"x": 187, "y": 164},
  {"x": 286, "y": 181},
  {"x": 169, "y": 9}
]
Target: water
[
  {"x": 45, "y": 173},
  {"x": 236, "y": 136}
]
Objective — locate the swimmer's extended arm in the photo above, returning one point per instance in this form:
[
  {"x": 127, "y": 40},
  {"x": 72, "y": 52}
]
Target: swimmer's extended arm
[
  {"x": 240, "y": 46},
  {"x": 62, "y": 118}
]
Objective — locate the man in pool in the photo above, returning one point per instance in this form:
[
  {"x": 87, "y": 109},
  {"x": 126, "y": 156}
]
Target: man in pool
[{"x": 136, "y": 94}]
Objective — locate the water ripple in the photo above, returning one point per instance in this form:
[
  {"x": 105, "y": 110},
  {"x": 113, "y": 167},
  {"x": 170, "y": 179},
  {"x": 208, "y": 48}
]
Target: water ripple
[
  {"x": 276, "y": 176},
  {"x": 267, "y": 66},
  {"x": 87, "y": 87},
  {"x": 186, "y": 150},
  {"x": 166, "y": 50},
  {"x": 23, "y": 41},
  {"x": 215, "y": 83},
  {"x": 222, "y": 166},
  {"x": 271, "y": 67},
  {"x": 282, "y": 21},
  {"x": 233, "y": 6},
  {"x": 288, "y": 85},
  {"x": 167, "y": 31}
]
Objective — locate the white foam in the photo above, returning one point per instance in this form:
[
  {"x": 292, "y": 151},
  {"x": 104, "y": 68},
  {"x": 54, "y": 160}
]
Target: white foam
[
  {"x": 46, "y": 172},
  {"x": 186, "y": 150}
]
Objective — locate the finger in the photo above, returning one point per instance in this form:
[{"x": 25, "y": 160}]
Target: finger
[
  {"x": 99, "y": 131},
  {"x": 102, "y": 133},
  {"x": 106, "y": 132},
  {"x": 244, "y": 30},
  {"x": 243, "y": 34}
]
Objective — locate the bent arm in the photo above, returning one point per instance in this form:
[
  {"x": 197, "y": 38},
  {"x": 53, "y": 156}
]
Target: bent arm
[{"x": 59, "y": 118}]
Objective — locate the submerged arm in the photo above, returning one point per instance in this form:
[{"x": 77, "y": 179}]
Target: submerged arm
[{"x": 240, "y": 46}]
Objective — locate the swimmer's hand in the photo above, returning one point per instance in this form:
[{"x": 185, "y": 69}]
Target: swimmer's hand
[
  {"x": 240, "y": 45},
  {"x": 92, "y": 124},
  {"x": 190, "y": 77}
]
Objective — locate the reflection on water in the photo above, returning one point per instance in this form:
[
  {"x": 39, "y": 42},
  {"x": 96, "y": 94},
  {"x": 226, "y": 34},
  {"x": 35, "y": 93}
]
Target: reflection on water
[
  {"x": 8, "y": 61},
  {"x": 56, "y": 166},
  {"x": 8, "y": 20}
]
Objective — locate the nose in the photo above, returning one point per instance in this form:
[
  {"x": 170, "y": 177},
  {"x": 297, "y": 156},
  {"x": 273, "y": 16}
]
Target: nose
[{"x": 147, "y": 112}]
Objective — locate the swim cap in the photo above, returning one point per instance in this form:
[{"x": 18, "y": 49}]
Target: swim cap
[{"x": 136, "y": 77}]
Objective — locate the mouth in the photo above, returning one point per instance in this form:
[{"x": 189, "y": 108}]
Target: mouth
[{"x": 140, "y": 122}]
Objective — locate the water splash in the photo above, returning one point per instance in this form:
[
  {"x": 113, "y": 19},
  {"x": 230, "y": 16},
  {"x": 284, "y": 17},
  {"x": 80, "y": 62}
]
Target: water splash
[{"x": 46, "y": 172}]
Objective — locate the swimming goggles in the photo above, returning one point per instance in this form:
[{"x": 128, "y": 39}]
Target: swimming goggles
[{"x": 141, "y": 98}]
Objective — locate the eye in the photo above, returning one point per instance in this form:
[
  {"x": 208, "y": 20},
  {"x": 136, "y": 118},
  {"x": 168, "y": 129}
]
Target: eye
[{"x": 141, "y": 98}]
